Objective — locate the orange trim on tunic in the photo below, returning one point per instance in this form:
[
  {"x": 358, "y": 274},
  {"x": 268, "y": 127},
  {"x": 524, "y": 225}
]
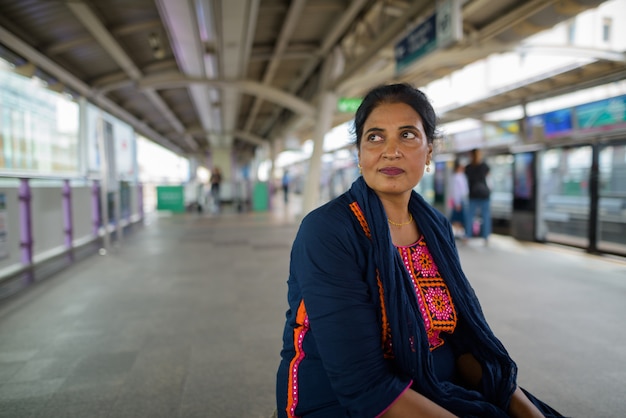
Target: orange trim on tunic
[
  {"x": 386, "y": 334},
  {"x": 359, "y": 215},
  {"x": 299, "y": 332}
]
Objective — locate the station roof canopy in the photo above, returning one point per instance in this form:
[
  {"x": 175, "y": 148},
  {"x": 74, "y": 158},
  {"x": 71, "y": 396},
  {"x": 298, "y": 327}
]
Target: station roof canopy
[{"x": 197, "y": 74}]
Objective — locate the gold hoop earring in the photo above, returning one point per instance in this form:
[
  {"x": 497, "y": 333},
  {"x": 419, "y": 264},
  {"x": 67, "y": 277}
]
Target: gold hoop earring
[
  {"x": 360, "y": 168},
  {"x": 428, "y": 168}
]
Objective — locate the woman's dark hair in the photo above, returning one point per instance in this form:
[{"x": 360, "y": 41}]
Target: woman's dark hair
[{"x": 396, "y": 93}]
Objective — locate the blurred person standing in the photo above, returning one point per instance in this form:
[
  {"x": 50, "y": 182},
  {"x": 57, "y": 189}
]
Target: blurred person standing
[
  {"x": 285, "y": 184},
  {"x": 216, "y": 181},
  {"x": 460, "y": 192},
  {"x": 479, "y": 195}
]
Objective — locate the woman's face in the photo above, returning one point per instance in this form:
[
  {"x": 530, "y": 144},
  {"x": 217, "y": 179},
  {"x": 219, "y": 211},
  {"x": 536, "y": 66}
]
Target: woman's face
[{"x": 394, "y": 149}]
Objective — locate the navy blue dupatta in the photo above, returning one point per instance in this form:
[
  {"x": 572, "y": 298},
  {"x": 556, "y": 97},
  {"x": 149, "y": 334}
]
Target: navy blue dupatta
[{"x": 409, "y": 340}]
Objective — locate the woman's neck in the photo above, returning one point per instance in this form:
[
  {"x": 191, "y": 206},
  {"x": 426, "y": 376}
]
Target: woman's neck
[
  {"x": 396, "y": 207},
  {"x": 402, "y": 226},
  {"x": 405, "y": 236}
]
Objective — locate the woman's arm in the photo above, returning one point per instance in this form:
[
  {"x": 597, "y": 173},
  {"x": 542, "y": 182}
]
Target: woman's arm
[
  {"x": 520, "y": 406},
  {"x": 413, "y": 404},
  {"x": 328, "y": 268}
]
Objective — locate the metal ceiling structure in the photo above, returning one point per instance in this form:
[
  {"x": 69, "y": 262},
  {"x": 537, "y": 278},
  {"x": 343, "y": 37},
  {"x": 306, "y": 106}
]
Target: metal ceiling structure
[{"x": 197, "y": 74}]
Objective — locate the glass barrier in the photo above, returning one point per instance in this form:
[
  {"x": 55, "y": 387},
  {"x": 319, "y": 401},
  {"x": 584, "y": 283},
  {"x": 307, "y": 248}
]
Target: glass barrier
[{"x": 612, "y": 199}]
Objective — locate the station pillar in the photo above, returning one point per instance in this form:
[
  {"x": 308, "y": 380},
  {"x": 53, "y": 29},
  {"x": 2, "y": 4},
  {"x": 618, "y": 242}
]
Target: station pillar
[{"x": 325, "y": 111}]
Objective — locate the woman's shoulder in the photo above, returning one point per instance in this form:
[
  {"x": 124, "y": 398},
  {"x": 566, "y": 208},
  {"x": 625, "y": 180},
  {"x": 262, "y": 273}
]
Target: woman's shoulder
[
  {"x": 334, "y": 219},
  {"x": 331, "y": 232},
  {"x": 332, "y": 213}
]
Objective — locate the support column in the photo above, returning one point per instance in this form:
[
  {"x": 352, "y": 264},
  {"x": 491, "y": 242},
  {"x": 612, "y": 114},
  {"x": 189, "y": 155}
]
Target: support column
[
  {"x": 326, "y": 109},
  {"x": 193, "y": 167}
]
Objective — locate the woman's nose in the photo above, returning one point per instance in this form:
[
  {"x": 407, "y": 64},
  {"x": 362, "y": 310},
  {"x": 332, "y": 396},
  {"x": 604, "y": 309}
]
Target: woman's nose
[{"x": 391, "y": 149}]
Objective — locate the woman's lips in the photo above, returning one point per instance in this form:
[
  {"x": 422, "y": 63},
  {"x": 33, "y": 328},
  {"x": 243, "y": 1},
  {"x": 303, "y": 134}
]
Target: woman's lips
[{"x": 391, "y": 171}]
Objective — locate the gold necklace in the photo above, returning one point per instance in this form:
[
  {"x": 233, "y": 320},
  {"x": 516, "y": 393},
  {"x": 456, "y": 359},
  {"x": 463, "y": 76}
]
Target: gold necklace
[{"x": 401, "y": 224}]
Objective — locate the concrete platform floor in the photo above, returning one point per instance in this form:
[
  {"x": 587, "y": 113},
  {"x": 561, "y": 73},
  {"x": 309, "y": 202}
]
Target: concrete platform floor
[{"x": 184, "y": 319}]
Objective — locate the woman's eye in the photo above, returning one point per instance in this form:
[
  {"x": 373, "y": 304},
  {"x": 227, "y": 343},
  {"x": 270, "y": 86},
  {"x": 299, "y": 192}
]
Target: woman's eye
[
  {"x": 374, "y": 138},
  {"x": 408, "y": 135}
]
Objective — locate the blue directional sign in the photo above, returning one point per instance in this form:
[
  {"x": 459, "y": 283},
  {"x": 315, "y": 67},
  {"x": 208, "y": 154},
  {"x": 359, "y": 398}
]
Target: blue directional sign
[
  {"x": 439, "y": 30},
  {"x": 421, "y": 41}
]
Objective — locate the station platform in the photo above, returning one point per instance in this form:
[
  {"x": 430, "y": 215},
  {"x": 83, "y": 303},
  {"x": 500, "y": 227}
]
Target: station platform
[{"x": 184, "y": 319}]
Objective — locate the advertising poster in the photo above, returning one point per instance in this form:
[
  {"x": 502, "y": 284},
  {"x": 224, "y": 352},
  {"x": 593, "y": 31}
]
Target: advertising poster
[
  {"x": 524, "y": 176},
  {"x": 93, "y": 151},
  {"x": 124, "y": 151}
]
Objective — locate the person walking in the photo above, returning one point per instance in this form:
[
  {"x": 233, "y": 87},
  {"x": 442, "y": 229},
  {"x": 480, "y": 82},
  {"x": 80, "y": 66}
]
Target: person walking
[{"x": 479, "y": 196}]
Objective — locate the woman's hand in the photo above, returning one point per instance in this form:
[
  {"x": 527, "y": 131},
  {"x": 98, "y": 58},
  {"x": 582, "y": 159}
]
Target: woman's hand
[
  {"x": 522, "y": 407},
  {"x": 413, "y": 404}
]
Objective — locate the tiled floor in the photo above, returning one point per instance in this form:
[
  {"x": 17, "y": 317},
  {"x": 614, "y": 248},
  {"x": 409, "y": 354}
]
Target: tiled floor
[{"x": 185, "y": 318}]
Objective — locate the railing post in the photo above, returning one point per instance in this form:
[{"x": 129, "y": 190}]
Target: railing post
[
  {"x": 67, "y": 219},
  {"x": 95, "y": 207},
  {"x": 140, "y": 200},
  {"x": 26, "y": 232}
]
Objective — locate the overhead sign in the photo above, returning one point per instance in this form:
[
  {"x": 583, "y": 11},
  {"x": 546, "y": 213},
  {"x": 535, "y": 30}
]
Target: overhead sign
[
  {"x": 348, "y": 104},
  {"x": 441, "y": 29}
]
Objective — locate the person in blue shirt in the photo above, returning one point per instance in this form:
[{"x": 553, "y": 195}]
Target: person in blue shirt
[
  {"x": 382, "y": 321},
  {"x": 479, "y": 195},
  {"x": 285, "y": 184}
]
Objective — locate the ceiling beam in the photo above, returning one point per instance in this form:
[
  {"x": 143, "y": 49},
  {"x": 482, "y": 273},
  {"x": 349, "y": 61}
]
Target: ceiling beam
[
  {"x": 398, "y": 26},
  {"x": 61, "y": 47},
  {"x": 182, "y": 28},
  {"x": 289, "y": 25},
  {"x": 516, "y": 16},
  {"x": 561, "y": 83},
  {"x": 570, "y": 51},
  {"x": 245, "y": 136},
  {"x": 329, "y": 42},
  {"x": 92, "y": 23},
  {"x": 238, "y": 20},
  {"x": 49, "y": 66},
  {"x": 254, "y": 88}
]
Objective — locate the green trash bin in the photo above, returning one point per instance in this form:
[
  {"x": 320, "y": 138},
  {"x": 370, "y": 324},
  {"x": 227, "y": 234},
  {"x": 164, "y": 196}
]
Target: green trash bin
[
  {"x": 260, "y": 197},
  {"x": 171, "y": 198}
]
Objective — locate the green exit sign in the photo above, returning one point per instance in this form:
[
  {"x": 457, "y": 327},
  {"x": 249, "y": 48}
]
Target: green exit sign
[{"x": 348, "y": 104}]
